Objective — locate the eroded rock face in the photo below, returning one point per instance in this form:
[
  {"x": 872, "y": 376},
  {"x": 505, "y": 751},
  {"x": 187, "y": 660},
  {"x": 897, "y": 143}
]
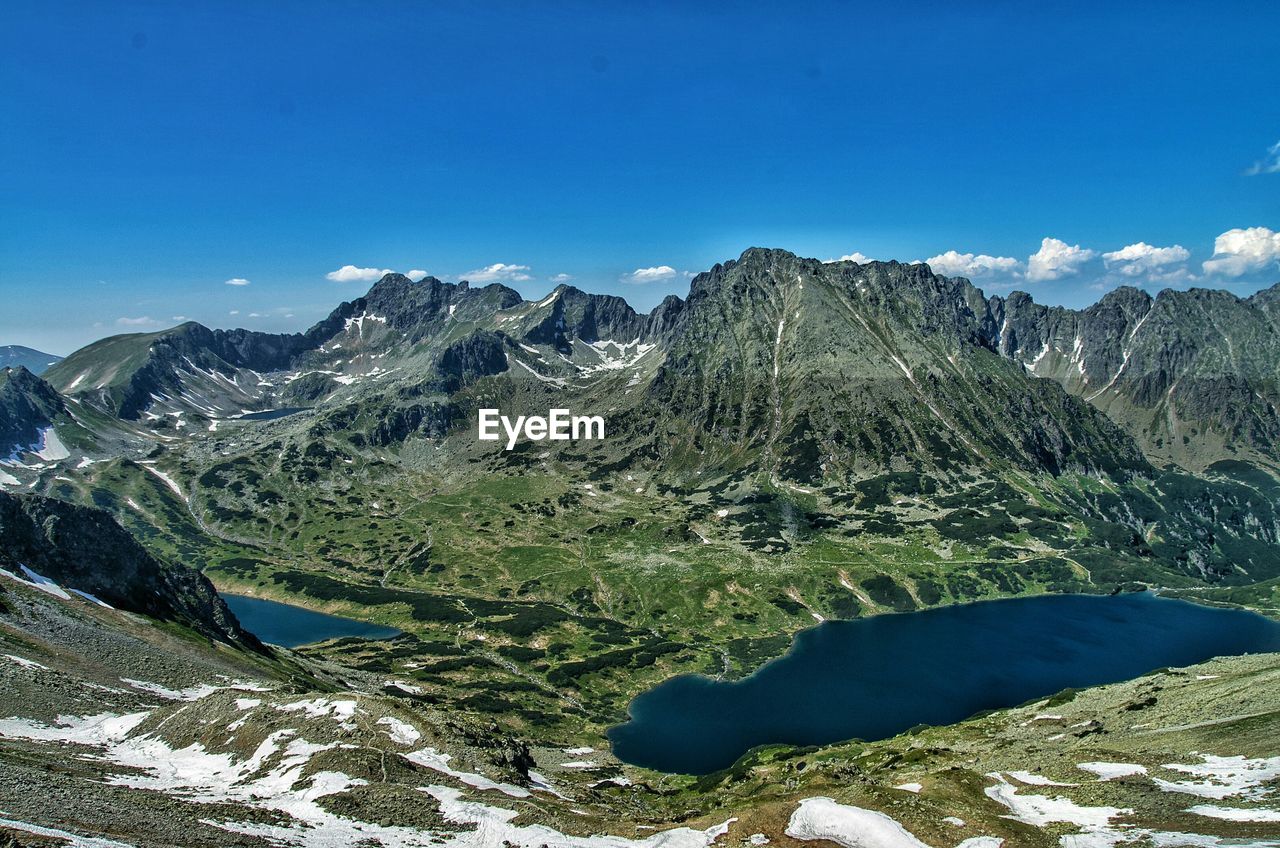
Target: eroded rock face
[
  {"x": 27, "y": 404},
  {"x": 85, "y": 549},
  {"x": 1191, "y": 375},
  {"x": 842, "y": 368},
  {"x": 480, "y": 354}
]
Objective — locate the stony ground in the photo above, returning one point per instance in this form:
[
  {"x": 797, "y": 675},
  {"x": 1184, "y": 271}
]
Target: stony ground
[{"x": 113, "y": 728}]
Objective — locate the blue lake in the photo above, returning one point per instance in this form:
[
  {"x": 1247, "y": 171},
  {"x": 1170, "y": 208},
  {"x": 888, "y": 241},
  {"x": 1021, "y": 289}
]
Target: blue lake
[
  {"x": 876, "y": 677},
  {"x": 290, "y": 626},
  {"x": 270, "y": 414}
]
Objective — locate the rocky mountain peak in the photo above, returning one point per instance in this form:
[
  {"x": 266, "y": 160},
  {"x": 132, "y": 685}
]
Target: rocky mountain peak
[{"x": 27, "y": 404}]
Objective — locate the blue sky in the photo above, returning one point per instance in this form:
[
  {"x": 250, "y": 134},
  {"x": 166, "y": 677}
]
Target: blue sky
[{"x": 151, "y": 152}]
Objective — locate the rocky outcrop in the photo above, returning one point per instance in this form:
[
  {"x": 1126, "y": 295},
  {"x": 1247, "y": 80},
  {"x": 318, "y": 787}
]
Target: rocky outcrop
[
  {"x": 481, "y": 354},
  {"x": 859, "y": 368},
  {"x": 83, "y": 548},
  {"x": 1193, "y": 375},
  {"x": 27, "y": 405}
]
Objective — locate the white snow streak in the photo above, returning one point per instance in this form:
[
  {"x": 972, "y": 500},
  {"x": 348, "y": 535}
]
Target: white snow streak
[{"x": 852, "y": 827}]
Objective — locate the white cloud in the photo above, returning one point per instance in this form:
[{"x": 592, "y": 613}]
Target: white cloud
[
  {"x": 656, "y": 274},
  {"x": 1142, "y": 259},
  {"x": 1238, "y": 252},
  {"x": 562, "y": 278},
  {"x": 142, "y": 321},
  {"x": 416, "y": 274},
  {"x": 1056, "y": 259},
  {"x": 352, "y": 274},
  {"x": 237, "y": 281},
  {"x": 234, "y": 312},
  {"x": 953, "y": 264},
  {"x": 179, "y": 318},
  {"x": 497, "y": 272},
  {"x": 861, "y": 259},
  {"x": 1269, "y": 164}
]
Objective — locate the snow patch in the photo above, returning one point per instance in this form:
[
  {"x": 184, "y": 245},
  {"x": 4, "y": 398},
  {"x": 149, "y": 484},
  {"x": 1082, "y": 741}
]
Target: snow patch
[
  {"x": 192, "y": 693},
  {"x": 358, "y": 323},
  {"x": 1235, "y": 813},
  {"x": 493, "y": 827},
  {"x": 401, "y": 732},
  {"x": 51, "y": 447},
  {"x": 1223, "y": 777},
  {"x": 1040, "y": 810},
  {"x": 437, "y": 761},
  {"x": 540, "y": 782},
  {"x": 26, "y": 663},
  {"x": 100, "y": 729},
  {"x": 558, "y": 382},
  {"x": 166, "y": 479},
  {"x": 851, "y": 827},
  {"x": 339, "y": 711},
  {"x": 1111, "y": 771},
  {"x": 404, "y": 687},
  {"x": 1033, "y": 779},
  {"x": 93, "y": 599},
  {"x": 39, "y": 581},
  {"x": 71, "y": 839}
]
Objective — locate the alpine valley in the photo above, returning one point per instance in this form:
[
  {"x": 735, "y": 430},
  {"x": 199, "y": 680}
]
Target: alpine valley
[{"x": 795, "y": 441}]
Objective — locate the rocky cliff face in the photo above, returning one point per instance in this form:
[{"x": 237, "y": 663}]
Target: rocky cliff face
[
  {"x": 27, "y": 405},
  {"x": 846, "y": 369},
  {"x": 84, "y": 549},
  {"x": 416, "y": 310},
  {"x": 1193, "y": 375},
  {"x": 848, "y": 365},
  {"x": 189, "y": 367}
]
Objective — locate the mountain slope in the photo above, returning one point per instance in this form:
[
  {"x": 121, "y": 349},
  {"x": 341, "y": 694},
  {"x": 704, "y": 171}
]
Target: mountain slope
[
  {"x": 28, "y": 408},
  {"x": 1193, "y": 375},
  {"x": 12, "y": 356},
  {"x": 84, "y": 549},
  {"x": 187, "y": 368},
  {"x": 796, "y": 441},
  {"x": 786, "y": 405},
  {"x": 839, "y": 370}
]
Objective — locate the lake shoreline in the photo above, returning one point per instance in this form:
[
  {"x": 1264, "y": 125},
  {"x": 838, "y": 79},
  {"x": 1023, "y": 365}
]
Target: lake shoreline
[
  {"x": 292, "y": 625},
  {"x": 961, "y": 660}
]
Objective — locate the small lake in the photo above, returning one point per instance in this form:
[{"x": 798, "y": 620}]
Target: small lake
[
  {"x": 270, "y": 414},
  {"x": 290, "y": 626},
  {"x": 873, "y": 678}
]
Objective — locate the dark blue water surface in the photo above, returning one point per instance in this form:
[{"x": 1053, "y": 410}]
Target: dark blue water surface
[
  {"x": 876, "y": 677},
  {"x": 270, "y": 415},
  {"x": 290, "y": 626}
]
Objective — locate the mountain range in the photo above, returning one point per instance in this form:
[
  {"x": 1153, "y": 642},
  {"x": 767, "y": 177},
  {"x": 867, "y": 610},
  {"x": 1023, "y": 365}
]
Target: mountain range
[
  {"x": 1190, "y": 376},
  {"x": 792, "y": 442},
  {"x": 778, "y": 378}
]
